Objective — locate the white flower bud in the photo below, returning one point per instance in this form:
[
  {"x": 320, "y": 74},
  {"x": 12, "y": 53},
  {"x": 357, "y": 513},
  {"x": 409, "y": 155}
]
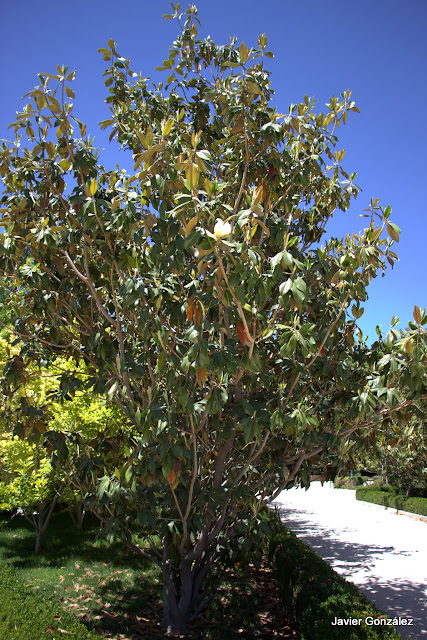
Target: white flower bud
[{"x": 222, "y": 229}]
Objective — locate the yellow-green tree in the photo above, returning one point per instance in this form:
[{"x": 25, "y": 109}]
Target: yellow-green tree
[{"x": 29, "y": 482}]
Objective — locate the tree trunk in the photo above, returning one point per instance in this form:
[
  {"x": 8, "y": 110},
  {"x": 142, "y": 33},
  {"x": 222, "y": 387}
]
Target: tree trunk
[
  {"x": 175, "y": 618},
  {"x": 183, "y": 595},
  {"x": 77, "y": 515},
  {"x": 181, "y": 601},
  {"x": 39, "y": 540},
  {"x": 42, "y": 522}
]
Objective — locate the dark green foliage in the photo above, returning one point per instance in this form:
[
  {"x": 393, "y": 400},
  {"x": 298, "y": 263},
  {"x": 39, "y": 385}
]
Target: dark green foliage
[
  {"x": 24, "y": 615},
  {"x": 372, "y": 489},
  {"x": 418, "y": 492},
  {"x": 416, "y": 505},
  {"x": 387, "y": 497},
  {"x": 317, "y": 595}
]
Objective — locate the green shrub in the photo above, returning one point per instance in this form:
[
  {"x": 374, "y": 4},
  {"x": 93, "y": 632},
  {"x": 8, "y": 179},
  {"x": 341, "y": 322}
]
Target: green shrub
[
  {"x": 387, "y": 498},
  {"x": 317, "y": 595},
  {"x": 384, "y": 498},
  {"x": 346, "y": 482},
  {"x": 416, "y": 505},
  {"x": 24, "y": 615}
]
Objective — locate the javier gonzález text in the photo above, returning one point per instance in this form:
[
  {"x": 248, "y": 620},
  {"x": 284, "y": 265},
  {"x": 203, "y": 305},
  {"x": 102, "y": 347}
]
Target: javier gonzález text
[{"x": 371, "y": 622}]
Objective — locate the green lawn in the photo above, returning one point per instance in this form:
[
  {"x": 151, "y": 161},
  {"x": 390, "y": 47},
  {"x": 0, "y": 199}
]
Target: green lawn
[{"x": 118, "y": 594}]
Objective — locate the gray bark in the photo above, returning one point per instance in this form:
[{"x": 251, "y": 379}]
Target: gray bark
[{"x": 183, "y": 595}]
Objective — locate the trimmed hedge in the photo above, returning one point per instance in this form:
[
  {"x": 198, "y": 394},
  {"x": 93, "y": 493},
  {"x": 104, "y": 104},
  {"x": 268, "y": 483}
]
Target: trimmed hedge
[
  {"x": 416, "y": 505},
  {"x": 387, "y": 497},
  {"x": 25, "y": 615},
  {"x": 317, "y": 595}
]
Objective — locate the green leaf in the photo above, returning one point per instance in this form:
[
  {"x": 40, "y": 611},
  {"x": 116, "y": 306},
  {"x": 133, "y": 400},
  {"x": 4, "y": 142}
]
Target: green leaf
[
  {"x": 244, "y": 53},
  {"x": 275, "y": 260},
  {"x": 393, "y": 231},
  {"x": 193, "y": 238},
  {"x": 253, "y": 88},
  {"x": 112, "y": 390}
]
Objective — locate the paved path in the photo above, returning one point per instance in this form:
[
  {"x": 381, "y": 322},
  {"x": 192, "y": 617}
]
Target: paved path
[{"x": 383, "y": 553}]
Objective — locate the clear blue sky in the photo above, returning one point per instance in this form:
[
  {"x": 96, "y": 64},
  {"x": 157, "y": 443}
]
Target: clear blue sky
[{"x": 377, "y": 48}]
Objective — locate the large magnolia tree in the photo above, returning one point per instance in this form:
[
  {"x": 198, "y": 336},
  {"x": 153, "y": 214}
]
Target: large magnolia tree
[{"x": 199, "y": 294}]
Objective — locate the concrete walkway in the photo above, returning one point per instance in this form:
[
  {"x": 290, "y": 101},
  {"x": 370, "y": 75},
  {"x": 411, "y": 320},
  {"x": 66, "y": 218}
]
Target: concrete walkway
[{"x": 383, "y": 553}]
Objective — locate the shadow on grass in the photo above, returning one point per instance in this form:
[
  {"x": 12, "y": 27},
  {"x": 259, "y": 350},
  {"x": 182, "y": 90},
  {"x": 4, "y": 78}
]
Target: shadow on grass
[
  {"x": 119, "y": 594},
  {"x": 245, "y": 605},
  {"x": 135, "y": 611},
  {"x": 62, "y": 542}
]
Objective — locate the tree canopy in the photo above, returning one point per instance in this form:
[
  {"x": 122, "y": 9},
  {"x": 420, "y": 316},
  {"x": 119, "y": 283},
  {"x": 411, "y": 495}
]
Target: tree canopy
[{"x": 200, "y": 294}]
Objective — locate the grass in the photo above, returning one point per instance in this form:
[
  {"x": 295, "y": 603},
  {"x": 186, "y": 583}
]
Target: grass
[
  {"x": 104, "y": 585},
  {"x": 118, "y": 594}
]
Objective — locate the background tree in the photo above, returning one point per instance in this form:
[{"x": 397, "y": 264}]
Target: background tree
[
  {"x": 29, "y": 482},
  {"x": 82, "y": 419},
  {"x": 397, "y": 450},
  {"x": 399, "y": 455},
  {"x": 197, "y": 293}
]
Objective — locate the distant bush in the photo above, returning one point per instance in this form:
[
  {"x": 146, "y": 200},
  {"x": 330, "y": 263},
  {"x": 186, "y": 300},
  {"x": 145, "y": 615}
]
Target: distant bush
[
  {"x": 346, "y": 482},
  {"x": 317, "y": 595},
  {"x": 416, "y": 505},
  {"x": 356, "y": 480},
  {"x": 387, "y": 497},
  {"x": 24, "y": 615}
]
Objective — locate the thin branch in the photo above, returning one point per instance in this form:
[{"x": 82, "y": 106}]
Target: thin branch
[
  {"x": 120, "y": 337},
  {"x": 252, "y": 458},
  {"x": 245, "y": 170},
  {"x": 136, "y": 549},
  {"x": 302, "y": 457},
  {"x": 236, "y": 300},
  {"x": 316, "y": 355},
  {"x": 92, "y": 289},
  {"x": 191, "y": 488},
  {"x": 177, "y": 504},
  {"x": 78, "y": 273}
]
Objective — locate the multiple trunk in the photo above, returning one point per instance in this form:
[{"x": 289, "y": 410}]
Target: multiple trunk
[
  {"x": 183, "y": 596},
  {"x": 41, "y": 519},
  {"x": 77, "y": 514}
]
